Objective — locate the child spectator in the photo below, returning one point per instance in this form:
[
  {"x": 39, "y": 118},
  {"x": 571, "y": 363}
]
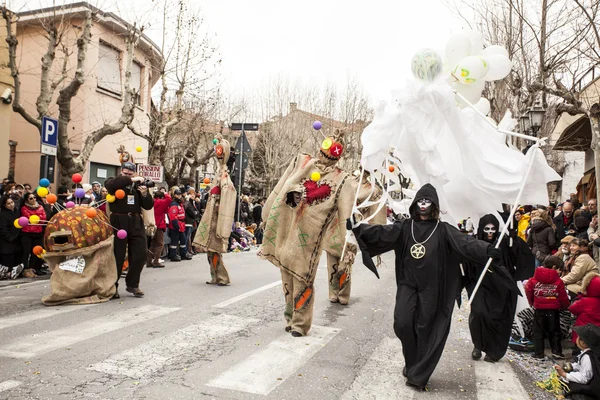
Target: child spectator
[
  {"x": 587, "y": 308},
  {"x": 236, "y": 247},
  {"x": 581, "y": 377},
  {"x": 547, "y": 295}
]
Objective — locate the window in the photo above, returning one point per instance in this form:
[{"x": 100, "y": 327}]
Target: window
[
  {"x": 108, "y": 69},
  {"x": 136, "y": 81}
]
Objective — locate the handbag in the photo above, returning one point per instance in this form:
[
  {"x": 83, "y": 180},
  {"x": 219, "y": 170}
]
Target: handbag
[{"x": 538, "y": 254}]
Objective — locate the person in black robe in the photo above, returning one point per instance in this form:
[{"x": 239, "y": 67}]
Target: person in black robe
[
  {"x": 428, "y": 277},
  {"x": 493, "y": 308}
]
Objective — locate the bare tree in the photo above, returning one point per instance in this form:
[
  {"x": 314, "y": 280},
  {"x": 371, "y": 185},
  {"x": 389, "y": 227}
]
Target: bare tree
[{"x": 68, "y": 83}]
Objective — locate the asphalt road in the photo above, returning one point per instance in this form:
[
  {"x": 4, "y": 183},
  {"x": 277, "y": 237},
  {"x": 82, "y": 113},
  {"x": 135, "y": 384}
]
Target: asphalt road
[{"x": 189, "y": 340}]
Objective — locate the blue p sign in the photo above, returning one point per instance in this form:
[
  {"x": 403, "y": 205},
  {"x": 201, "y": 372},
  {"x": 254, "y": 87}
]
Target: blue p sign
[{"x": 49, "y": 135}]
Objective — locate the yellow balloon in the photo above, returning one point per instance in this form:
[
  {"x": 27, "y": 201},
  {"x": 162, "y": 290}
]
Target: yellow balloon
[
  {"x": 110, "y": 198},
  {"x": 138, "y": 149},
  {"x": 34, "y": 219},
  {"x": 16, "y": 224},
  {"x": 315, "y": 176},
  {"x": 326, "y": 144},
  {"x": 42, "y": 192}
]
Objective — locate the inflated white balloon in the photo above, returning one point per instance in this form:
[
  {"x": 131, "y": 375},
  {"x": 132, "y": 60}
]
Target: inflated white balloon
[
  {"x": 471, "y": 92},
  {"x": 495, "y": 49},
  {"x": 476, "y": 39},
  {"x": 483, "y": 105},
  {"x": 500, "y": 67},
  {"x": 457, "y": 48},
  {"x": 426, "y": 65},
  {"x": 470, "y": 69}
]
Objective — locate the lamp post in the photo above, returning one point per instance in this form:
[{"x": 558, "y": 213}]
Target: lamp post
[{"x": 536, "y": 117}]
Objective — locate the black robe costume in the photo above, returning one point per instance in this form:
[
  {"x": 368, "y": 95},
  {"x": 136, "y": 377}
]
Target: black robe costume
[
  {"x": 494, "y": 306},
  {"x": 427, "y": 287}
]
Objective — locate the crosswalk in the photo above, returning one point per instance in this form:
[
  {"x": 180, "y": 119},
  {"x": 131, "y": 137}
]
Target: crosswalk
[{"x": 262, "y": 372}]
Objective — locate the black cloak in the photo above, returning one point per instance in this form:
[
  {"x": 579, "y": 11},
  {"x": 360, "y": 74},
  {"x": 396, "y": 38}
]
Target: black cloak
[
  {"x": 427, "y": 287},
  {"x": 494, "y": 306}
]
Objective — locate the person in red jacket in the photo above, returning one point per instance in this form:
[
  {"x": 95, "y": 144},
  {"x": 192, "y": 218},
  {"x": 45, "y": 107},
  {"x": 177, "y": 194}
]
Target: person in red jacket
[
  {"x": 161, "y": 207},
  {"x": 177, "y": 228},
  {"x": 547, "y": 294},
  {"x": 587, "y": 308},
  {"x": 33, "y": 234}
]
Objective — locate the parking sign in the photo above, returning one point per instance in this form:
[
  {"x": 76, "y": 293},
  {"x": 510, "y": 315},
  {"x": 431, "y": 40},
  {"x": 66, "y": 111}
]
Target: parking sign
[{"x": 49, "y": 136}]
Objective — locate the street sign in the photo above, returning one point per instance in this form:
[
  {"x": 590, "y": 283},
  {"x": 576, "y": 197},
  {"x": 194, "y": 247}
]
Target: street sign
[
  {"x": 153, "y": 172},
  {"x": 243, "y": 126},
  {"x": 242, "y": 143},
  {"x": 49, "y": 136}
]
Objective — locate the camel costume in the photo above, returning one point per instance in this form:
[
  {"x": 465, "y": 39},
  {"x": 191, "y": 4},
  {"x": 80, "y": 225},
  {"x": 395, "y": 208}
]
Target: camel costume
[
  {"x": 215, "y": 226},
  {"x": 302, "y": 217},
  {"x": 339, "y": 273}
]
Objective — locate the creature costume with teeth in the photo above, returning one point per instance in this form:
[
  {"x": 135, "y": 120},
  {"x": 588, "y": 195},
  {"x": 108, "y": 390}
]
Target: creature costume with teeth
[
  {"x": 303, "y": 217},
  {"x": 494, "y": 306},
  {"x": 428, "y": 277},
  {"x": 214, "y": 229}
]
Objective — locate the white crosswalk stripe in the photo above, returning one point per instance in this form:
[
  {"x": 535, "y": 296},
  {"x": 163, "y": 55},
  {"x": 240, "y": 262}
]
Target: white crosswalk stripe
[
  {"x": 34, "y": 315},
  {"x": 154, "y": 355},
  {"x": 27, "y": 347},
  {"x": 7, "y": 385},
  {"x": 266, "y": 369}
]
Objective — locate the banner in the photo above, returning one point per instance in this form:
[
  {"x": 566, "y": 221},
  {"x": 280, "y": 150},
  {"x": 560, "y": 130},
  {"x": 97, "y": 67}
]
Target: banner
[{"x": 152, "y": 172}]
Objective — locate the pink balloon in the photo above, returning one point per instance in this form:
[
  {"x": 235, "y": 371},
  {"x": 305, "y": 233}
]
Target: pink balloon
[
  {"x": 23, "y": 221},
  {"x": 69, "y": 204},
  {"x": 121, "y": 233}
]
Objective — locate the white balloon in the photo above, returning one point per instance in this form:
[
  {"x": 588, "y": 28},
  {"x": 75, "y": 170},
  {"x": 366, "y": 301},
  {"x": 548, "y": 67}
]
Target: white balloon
[
  {"x": 426, "y": 65},
  {"x": 495, "y": 49},
  {"x": 470, "y": 69},
  {"x": 476, "y": 39},
  {"x": 471, "y": 92},
  {"x": 500, "y": 67},
  {"x": 483, "y": 105},
  {"x": 457, "y": 48}
]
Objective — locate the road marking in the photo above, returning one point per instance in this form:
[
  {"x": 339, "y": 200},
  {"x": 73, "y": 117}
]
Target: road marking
[
  {"x": 40, "y": 313},
  {"x": 7, "y": 385},
  {"x": 247, "y": 294},
  {"x": 23, "y": 285},
  {"x": 154, "y": 355},
  {"x": 32, "y": 345},
  {"x": 381, "y": 376},
  {"x": 264, "y": 370},
  {"x": 498, "y": 381}
]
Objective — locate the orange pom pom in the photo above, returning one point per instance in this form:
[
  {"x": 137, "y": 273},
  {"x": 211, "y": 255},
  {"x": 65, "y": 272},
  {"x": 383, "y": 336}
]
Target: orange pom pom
[
  {"x": 119, "y": 194},
  {"x": 91, "y": 212},
  {"x": 391, "y": 168},
  {"x": 38, "y": 250},
  {"x": 206, "y": 181},
  {"x": 51, "y": 198}
]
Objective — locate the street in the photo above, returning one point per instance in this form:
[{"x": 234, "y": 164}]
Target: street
[{"x": 189, "y": 340}]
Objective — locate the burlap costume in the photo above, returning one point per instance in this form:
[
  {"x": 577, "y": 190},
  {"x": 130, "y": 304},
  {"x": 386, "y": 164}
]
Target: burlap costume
[
  {"x": 340, "y": 273},
  {"x": 212, "y": 236},
  {"x": 71, "y": 235},
  {"x": 295, "y": 234}
]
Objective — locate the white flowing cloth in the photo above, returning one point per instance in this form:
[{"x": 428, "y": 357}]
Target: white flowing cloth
[{"x": 456, "y": 150}]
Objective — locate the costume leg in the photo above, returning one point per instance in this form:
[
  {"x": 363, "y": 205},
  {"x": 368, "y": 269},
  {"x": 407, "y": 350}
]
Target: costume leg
[
  {"x": 554, "y": 331},
  {"x": 476, "y": 318},
  {"x": 303, "y": 306},
  {"x": 339, "y": 280},
  {"x": 119, "y": 248},
  {"x": 404, "y": 323},
  {"x": 287, "y": 284},
  {"x": 137, "y": 250},
  {"x": 218, "y": 272}
]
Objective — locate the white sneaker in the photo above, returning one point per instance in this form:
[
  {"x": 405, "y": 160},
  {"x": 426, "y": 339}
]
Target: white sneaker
[
  {"x": 4, "y": 272},
  {"x": 161, "y": 261},
  {"x": 16, "y": 271}
]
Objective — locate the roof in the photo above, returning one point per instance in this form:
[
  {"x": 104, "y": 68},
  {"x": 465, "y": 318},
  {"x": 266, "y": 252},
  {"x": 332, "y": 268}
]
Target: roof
[
  {"x": 79, "y": 9},
  {"x": 576, "y": 133}
]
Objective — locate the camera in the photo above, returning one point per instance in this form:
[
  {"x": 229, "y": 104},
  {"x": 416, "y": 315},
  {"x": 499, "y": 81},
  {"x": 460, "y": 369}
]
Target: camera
[
  {"x": 148, "y": 183},
  {"x": 7, "y": 96}
]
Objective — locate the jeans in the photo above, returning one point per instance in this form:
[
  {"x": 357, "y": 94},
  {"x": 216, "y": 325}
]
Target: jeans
[{"x": 188, "y": 234}]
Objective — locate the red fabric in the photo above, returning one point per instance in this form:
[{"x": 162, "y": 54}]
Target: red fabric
[
  {"x": 28, "y": 212},
  {"x": 177, "y": 216},
  {"x": 587, "y": 309},
  {"x": 546, "y": 291},
  {"x": 316, "y": 191},
  {"x": 566, "y": 220},
  {"x": 161, "y": 207},
  {"x": 215, "y": 190}
]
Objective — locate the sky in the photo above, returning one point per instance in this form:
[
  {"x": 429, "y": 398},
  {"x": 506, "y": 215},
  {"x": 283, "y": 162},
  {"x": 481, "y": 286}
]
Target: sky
[{"x": 310, "y": 41}]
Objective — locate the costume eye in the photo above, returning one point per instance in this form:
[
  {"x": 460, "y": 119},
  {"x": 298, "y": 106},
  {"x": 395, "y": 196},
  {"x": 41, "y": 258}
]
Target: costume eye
[
  {"x": 219, "y": 150},
  {"x": 327, "y": 142},
  {"x": 336, "y": 149}
]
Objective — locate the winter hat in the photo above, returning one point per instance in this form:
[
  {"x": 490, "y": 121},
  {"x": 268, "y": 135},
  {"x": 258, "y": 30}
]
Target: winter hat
[
  {"x": 87, "y": 187},
  {"x": 590, "y": 334}
]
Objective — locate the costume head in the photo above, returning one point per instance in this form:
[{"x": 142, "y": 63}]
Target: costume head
[
  {"x": 72, "y": 229},
  {"x": 488, "y": 228},
  {"x": 332, "y": 148},
  {"x": 124, "y": 155},
  {"x": 426, "y": 204},
  {"x": 222, "y": 150}
]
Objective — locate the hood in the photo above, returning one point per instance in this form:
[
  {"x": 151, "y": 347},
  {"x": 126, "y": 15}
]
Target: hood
[
  {"x": 427, "y": 191},
  {"x": 485, "y": 220},
  {"x": 546, "y": 275},
  {"x": 591, "y": 285},
  {"x": 539, "y": 225}
]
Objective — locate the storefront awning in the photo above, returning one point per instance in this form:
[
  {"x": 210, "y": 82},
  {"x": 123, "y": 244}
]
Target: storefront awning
[{"x": 574, "y": 131}]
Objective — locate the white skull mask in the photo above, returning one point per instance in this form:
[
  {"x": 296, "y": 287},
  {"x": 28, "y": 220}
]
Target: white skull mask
[
  {"x": 424, "y": 206},
  {"x": 489, "y": 231}
]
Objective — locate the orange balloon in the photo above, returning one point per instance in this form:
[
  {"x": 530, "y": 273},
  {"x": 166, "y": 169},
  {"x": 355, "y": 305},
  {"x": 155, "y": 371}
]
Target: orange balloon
[
  {"x": 119, "y": 194},
  {"x": 91, "y": 212},
  {"x": 391, "y": 168},
  {"x": 37, "y": 250},
  {"x": 206, "y": 181},
  {"x": 51, "y": 198}
]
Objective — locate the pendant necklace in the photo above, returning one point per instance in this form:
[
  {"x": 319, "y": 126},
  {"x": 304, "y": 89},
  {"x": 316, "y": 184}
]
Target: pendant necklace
[{"x": 417, "y": 250}]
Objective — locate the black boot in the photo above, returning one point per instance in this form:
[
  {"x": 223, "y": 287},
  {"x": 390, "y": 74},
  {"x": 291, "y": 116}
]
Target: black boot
[{"x": 476, "y": 354}]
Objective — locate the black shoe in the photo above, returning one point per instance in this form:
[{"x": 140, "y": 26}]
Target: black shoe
[
  {"x": 538, "y": 356},
  {"x": 296, "y": 334},
  {"x": 558, "y": 356},
  {"x": 115, "y": 296},
  {"x": 175, "y": 259},
  {"x": 135, "y": 291},
  {"x": 288, "y": 328},
  {"x": 40, "y": 272},
  {"x": 421, "y": 388},
  {"x": 476, "y": 354},
  {"x": 404, "y": 372},
  {"x": 489, "y": 359},
  {"x": 188, "y": 256}
]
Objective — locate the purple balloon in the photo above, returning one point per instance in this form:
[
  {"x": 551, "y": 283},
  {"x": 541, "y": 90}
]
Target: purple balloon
[
  {"x": 23, "y": 221},
  {"x": 69, "y": 204},
  {"x": 317, "y": 125},
  {"x": 121, "y": 233},
  {"x": 79, "y": 193}
]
